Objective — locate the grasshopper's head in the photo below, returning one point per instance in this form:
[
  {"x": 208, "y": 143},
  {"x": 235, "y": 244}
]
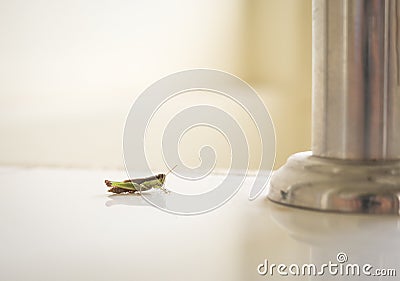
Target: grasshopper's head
[{"x": 161, "y": 178}]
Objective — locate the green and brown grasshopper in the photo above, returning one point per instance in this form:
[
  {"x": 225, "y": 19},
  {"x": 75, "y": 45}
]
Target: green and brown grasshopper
[{"x": 137, "y": 185}]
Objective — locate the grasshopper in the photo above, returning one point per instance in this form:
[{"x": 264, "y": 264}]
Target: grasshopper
[{"x": 138, "y": 185}]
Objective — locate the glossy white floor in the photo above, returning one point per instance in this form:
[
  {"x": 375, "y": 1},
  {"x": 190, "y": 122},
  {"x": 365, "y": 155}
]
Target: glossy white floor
[{"x": 60, "y": 224}]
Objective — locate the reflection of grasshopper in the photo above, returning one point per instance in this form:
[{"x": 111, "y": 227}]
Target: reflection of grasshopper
[{"x": 137, "y": 185}]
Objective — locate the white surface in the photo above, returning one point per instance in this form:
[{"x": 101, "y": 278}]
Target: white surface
[{"x": 62, "y": 225}]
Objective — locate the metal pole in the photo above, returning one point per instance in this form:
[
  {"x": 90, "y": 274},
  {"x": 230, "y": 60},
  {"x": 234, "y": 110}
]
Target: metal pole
[
  {"x": 356, "y": 102},
  {"x": 355, "y": 161}
]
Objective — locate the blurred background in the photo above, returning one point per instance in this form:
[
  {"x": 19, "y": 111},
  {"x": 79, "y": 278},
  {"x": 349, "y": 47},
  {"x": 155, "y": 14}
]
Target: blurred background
[{"x": 70, "y": 71}]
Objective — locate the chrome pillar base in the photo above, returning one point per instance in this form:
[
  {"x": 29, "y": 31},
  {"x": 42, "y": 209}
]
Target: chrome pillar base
[{"x": 345, "y": 186}]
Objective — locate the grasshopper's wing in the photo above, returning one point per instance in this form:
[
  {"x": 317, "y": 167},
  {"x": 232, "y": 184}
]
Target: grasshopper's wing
[{"x": 127, "y": 185}]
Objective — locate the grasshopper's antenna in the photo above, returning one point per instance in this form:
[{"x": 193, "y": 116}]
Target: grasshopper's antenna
[{"x": 169, "y": 171}]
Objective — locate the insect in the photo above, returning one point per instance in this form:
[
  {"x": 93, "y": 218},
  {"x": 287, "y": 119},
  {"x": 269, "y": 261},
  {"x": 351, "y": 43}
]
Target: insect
[{"x": 138, "y": 185}]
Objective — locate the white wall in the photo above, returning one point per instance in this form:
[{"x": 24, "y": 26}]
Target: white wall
[{"x": 69, "y": 70}]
